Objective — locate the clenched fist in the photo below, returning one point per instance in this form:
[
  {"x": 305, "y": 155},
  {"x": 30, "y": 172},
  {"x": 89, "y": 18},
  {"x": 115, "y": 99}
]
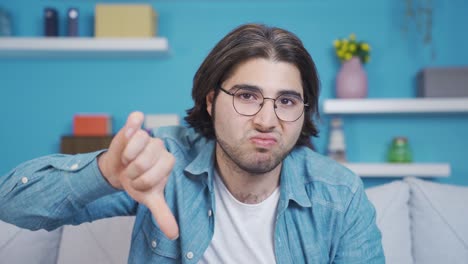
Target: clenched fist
[{"x": 141, "y": 165}]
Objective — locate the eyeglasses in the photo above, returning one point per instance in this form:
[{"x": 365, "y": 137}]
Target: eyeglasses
[{"x": 248, "y": 102}]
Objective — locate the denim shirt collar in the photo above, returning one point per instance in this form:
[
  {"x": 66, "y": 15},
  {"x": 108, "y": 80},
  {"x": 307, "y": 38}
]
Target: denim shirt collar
[
  {"x": 203, "y": 164},
  {"x": 292, "y": 183}
]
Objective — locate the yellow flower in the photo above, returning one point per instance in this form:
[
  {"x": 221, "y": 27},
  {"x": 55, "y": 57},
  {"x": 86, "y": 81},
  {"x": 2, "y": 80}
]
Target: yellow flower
[
  {"x": 336, "y": 43},
  {"x": 340, "y": 53},
  {"x": 348, "y": 56},
  {"x": 346, "y": 48},
  {"x": 365, "y": 47}
]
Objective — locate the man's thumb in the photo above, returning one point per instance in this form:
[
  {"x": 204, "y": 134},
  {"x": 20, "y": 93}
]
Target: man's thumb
[{"x": 164, "y": 217}]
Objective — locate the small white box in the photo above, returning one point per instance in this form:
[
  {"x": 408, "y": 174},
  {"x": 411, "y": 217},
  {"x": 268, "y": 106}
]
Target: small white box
[{"x": 153, "y": 121}]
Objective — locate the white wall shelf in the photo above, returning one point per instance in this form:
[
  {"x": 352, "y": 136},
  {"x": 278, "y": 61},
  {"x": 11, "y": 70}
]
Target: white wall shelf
[
  {"x": 433, "y": 170},
  {"x": 83, "y": 47},
  {"x": 395, "y": 106}
]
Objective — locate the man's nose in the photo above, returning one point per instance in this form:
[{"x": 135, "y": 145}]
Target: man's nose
[{"x": 266, "y": 117}]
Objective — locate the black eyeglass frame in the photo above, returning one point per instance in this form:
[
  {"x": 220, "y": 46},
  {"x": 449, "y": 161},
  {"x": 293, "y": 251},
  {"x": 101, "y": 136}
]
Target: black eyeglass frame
[{"x": 263, "y": 103}]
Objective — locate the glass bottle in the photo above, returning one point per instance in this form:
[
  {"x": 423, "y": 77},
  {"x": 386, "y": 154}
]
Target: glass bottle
[
  {"x": 5, "y": 23},
  {"x": 336, "y": 144},
  {"x": 400, "y": 151}
]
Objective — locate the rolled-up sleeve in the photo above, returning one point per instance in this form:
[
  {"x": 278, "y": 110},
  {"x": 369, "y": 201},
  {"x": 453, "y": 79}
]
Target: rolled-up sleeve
[{"x": 54, "y": 190}]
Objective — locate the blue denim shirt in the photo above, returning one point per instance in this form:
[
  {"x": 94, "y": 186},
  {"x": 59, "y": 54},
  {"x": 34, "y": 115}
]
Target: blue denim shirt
[{"x": 323, "y": 214}]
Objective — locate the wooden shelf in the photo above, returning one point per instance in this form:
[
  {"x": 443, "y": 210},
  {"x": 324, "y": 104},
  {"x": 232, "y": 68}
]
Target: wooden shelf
[
  {"x": 434, "y": 170},
  {"x": 392, "y": 106},
  {"x": 69, "y": 47}
]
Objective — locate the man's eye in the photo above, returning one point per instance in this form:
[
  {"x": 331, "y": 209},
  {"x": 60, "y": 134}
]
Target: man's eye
[
  {"x": 246, "y": 96},
  {"x": 288, "y": 101},
  {"x": 285, "y": 101}
]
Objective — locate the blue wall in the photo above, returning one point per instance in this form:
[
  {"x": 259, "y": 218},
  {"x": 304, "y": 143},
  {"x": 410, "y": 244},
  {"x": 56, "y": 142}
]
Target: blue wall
[{"x": 38, "y": 97}]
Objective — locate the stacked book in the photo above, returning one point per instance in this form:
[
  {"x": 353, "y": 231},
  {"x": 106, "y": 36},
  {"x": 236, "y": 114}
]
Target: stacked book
[
  {"x": 91, "y": 132},
  {"x": 92, "y": 125}
]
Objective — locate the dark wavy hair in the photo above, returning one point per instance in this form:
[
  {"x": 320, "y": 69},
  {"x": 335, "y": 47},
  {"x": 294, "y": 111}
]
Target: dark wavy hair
[{"x": 247, "y": 42}]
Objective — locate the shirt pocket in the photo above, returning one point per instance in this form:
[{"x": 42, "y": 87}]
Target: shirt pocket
[
  {"x": 159, "y": 243},
  {"x": 311, "y": 246}
]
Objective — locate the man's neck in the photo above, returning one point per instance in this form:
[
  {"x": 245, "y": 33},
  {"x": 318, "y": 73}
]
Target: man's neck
[{"x": 247, "y": 187}]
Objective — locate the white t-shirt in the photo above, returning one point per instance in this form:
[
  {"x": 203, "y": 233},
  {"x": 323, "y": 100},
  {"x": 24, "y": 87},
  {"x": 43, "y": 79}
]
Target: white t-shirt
[{"x": 243, "y": 233}]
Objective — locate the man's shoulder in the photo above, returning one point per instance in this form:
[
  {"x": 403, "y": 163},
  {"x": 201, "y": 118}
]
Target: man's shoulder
[{"x": 317, "y": 169}]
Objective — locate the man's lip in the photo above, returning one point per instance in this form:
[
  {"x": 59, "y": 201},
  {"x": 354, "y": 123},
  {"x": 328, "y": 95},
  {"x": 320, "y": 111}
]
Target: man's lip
[{"x": 263, "y": 140}]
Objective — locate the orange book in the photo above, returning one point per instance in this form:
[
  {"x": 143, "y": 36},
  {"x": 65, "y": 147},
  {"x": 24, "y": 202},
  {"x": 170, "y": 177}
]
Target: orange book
[{"x": 92, "y": 125}]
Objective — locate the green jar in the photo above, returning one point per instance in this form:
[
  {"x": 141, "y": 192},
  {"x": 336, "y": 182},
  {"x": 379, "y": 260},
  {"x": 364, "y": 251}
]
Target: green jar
[{"x": 399, "y": 151}]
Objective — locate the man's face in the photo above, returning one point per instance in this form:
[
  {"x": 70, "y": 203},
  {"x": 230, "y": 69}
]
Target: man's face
[{"x": 256, "y": 144}]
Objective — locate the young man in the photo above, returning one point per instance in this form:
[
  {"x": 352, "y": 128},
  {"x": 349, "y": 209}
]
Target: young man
[{"x": 240, "y": 186}]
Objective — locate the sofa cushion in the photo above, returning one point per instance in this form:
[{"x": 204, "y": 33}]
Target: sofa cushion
[
  {"x": 391, "y": 204},
  {"x": 105, "y": 241},
  {"x": 22, "y": 246},
  {"x": 439, "y": 220}
]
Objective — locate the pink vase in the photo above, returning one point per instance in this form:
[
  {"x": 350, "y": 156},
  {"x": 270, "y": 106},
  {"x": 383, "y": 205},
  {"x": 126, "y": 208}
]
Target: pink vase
[{"x": 351, "y": 81}]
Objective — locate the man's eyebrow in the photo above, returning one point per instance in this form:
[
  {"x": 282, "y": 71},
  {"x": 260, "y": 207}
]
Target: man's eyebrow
[
  {"x": 257, "y": 88},
  {"x": 247, "y": 86},
  {"x": 289, "y": 92}
]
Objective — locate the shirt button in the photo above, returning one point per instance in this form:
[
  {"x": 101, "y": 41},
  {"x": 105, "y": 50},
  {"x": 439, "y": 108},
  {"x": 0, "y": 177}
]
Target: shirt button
[
  {"x": 189, "y": 255},
  {"x": 74, "y": 166},
  {"x": 210, "y": 212},
  {"x": 24, "y": 180},
  {"x": 153, "y": 243}
]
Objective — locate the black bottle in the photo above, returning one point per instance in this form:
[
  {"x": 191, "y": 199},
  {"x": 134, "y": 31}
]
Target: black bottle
[
  {"x": 50, "y": 22},
  {"x": 72, "y": 18}
]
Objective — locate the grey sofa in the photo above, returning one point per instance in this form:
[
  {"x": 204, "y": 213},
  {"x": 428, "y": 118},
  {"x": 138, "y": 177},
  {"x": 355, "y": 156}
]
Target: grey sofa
[{"x": 421, "y": 222}]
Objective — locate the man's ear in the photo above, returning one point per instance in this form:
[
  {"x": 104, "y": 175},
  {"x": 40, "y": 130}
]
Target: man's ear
[{"x": 209, "y": 102}]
